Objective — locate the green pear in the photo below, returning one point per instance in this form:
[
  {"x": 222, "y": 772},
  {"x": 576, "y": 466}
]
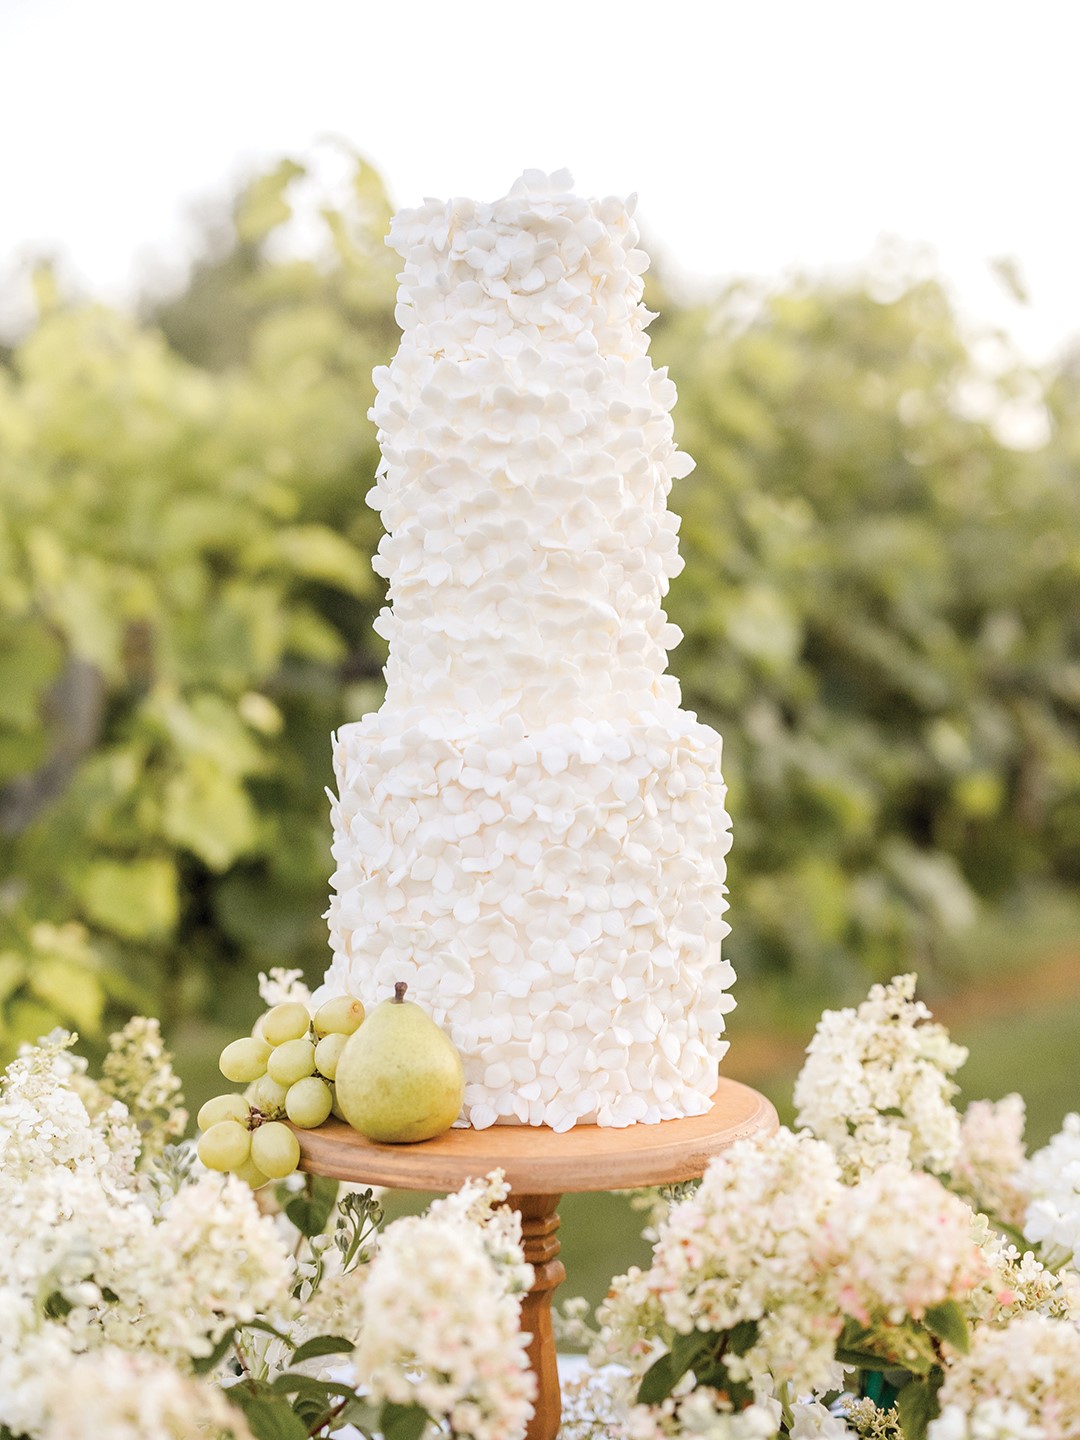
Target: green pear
[{"x": 399, "y": 1077}]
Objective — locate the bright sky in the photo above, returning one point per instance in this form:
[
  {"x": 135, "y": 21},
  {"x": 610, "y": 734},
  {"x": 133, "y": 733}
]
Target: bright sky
[{"x": 760, "y": 134}]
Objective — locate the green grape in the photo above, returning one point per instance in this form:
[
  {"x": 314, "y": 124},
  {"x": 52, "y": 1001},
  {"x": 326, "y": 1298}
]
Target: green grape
[
  {"x": 257, "y": 1029},
  {"x": 340, "y": 1016},
  {"x": 336, "y": 1110},
  {"x": 285, "y": 1022},
  {"x": 251, "y": 1175},
  {"x": 223, "y": 1107},
  {"x": 267, "y": 1095},
  {"x": 225, "y": 1146},
  {"x": 244, "y": 1060},
  {"x": 308, "y": 1102},
  {"x": 328, "y": 1053},
  {"x": 291, "y": 1062},
  {"x": 275, "y": 1150}
]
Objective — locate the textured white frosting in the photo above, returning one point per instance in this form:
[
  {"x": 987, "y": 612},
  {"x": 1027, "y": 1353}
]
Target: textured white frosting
[{"x": 530, "y": 831}]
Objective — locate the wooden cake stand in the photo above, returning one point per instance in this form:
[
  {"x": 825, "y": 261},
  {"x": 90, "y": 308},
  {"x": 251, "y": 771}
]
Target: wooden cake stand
[{"x": 540, "y": 1168}]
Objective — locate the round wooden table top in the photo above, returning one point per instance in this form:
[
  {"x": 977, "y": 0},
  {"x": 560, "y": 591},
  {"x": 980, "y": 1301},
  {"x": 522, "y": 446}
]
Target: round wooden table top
[{"x": 536, "y": 1160}]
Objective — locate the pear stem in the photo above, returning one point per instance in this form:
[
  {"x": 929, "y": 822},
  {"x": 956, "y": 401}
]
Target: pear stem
[{"x": 399, "y": 992}]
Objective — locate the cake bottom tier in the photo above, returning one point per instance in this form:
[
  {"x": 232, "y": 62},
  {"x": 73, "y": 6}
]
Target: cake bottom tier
[{"x": 555, "y": 900}]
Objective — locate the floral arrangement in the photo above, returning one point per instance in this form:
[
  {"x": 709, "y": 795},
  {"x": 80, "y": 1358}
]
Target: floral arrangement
[
  {"x": 142, "y": 1296},
  {"x": 890, "y": 1270},
  {"x": 864, "y": 1274}
]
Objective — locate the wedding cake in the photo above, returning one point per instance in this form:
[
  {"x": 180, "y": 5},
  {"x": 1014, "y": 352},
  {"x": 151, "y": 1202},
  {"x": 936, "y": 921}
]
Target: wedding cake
[{"x": 530, "y": 831}]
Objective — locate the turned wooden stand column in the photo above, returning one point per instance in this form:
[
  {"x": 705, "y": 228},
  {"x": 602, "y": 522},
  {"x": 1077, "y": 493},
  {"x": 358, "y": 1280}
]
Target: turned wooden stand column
[
  {"x": 539, "y": 1223},
  {"x": 541, "y": 1167}
]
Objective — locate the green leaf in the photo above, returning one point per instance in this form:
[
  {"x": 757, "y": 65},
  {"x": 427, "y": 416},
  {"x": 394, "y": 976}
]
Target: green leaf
[
  {"x": 665, "y": 1373},
  {"x": 658, "y": 1381},
  {"x": 30, "y": 657},
  {"x": 325, "y": 1393},
  {"x": 917, "y": 1405},
  {"x": 72, "y": 990},
  {"x": 402, "y": 1422},
  {"x": 206, "y": 1363},
  {"x": 321, "y": 1345},
  {"x": 133, "y": 898},
  {"x": 263, "y": 205},
  {"x": 26, "y": 1021},
  {"x": 361, "y": 1413},
  {"x": 742, "y": 1337},
  {"x": 270, "y": 1417},
  {"x": 13, "y": 970},
  {"x": 947, "y": 1322},
  {"x": 209, "y": 813},
  {"x": 315, "y": 552},
  {"x": 266, "y": 1328},
  {"x": 312, "y": 1207},
  {"x": 863, "y": 1360}
]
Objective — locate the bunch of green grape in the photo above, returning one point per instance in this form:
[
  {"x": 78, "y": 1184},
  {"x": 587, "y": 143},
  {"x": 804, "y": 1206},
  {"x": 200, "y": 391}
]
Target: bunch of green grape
[{"x": 288, "y": 1064}]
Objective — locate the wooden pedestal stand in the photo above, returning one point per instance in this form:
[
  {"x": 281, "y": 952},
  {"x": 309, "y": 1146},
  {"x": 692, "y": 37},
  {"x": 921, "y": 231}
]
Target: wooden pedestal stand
[{"x": 540, "y": 1168}]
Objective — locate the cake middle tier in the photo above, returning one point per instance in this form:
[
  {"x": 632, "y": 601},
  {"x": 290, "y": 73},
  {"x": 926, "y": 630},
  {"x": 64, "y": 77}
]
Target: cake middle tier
[
  {"x": 554, "y": 899},
  {"x": 529, "y": 546}
]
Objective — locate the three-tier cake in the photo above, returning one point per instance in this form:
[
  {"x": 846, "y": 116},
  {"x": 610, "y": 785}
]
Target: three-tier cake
[{"x": 530, "y": 831}]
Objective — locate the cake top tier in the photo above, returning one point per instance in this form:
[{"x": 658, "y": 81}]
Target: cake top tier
[
  {"x": 540, "y": 265},
  {"x": 528, "y": 452}
]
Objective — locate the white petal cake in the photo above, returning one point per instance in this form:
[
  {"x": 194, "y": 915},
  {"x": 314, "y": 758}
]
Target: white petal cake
[{"x": 530, "y": 831}]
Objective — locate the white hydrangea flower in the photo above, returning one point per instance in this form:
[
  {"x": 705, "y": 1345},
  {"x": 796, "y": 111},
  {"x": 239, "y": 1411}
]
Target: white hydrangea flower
[
  {"x": 44, "y": 1121},
  {"x": 483, "y": 1203},
  {"x": 991, "y": 1166},
  {"x": 280, "y": 986},
  {"x": 113, "y": 1395},
  {"x": 900, "y": 1243},
  {"x": 872, "y": 1422},
  {"x": 704, "y": 1414},
  {"x": 137, "y": 1070},
  {"x": 813, "y": 1421},
  {"x": 93, "y": 1256},
  {"x": 335, "y": 1306},
  {"x": 876, "y": 1084},
  {"x": 1053, "y": 1217},
  {"x": 1020, "y": 1382},
  {"x": 30, "y": 1354},
  {"x": 1018, "y": 1282},
  {"x": 441, "y": 1325},
  {"x": 596, "y": 1403},
  {"x": 745, "y": 1247}
]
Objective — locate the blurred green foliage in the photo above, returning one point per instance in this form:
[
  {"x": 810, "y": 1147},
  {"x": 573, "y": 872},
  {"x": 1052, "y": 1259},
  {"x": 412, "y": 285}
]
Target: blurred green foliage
[
  {"x": 882, "y": 611},
  {"x": 880, "y": 607}
]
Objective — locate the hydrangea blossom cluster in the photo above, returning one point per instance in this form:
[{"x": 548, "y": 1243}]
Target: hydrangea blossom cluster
[
  {"x": 706, "y": 1413},
  {"x": 775, "y": 1237},
  {"x": 876, "y": 1083},
  {"x": 138, "y": 1072},
  {"x": 899, "y": 1243},
  {"x": 1053, "y": 1216},
  {"x": 747, "y": 1246},
  {"x": 442, "y": 1312},
  {"x": 1020, "y": 1382},
  {"x": 114, "y": 1395},
  {"x": 991, "y": 1167},
  {"x": 801, "y": 1250},
  {"x": 280, "y": 986},
  {"x": 1017, "y": 1282},
  {"x": 531, "y": 832},
  {"x": 94, "y": 1256}
]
